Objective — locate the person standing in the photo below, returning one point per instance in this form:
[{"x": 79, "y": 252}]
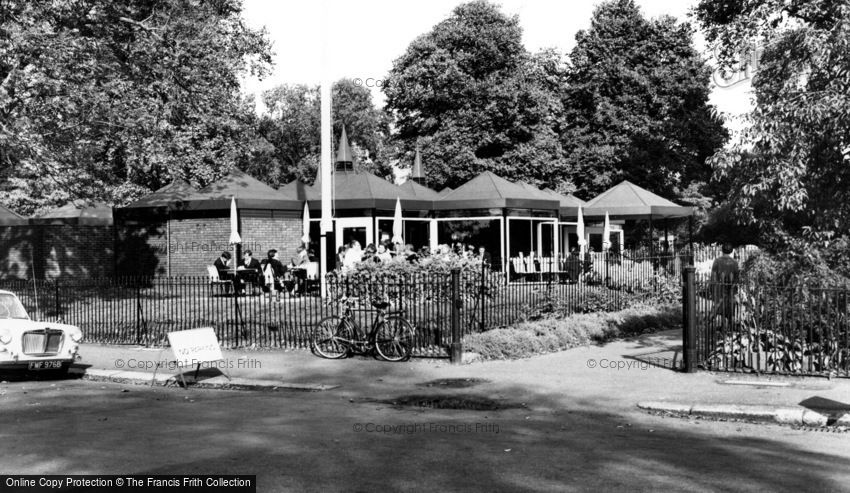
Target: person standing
[
  {"x": 352, "y": 255},
  {"x": 485, "y": 256},
  {"x": 724, "y": 276}
]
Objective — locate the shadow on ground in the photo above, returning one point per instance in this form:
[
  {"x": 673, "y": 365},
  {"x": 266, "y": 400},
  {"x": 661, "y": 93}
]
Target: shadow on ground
[{"x": 328, "y": 441}]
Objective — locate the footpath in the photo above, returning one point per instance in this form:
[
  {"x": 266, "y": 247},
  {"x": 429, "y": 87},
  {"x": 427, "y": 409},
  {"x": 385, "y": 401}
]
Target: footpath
[{"x": 615, "y": 377}]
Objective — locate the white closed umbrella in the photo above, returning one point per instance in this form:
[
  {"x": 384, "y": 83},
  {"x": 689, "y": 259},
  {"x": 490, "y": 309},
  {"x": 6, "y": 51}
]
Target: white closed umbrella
[
  {"x": 234, "y": 231},
  {"x": 305, "y": 237},
  {"x": 234, "y": 223},
  {"x": 580, "y": 231},
  {"x": 397, "y": 224},
  {"x": 606, "y": 233}
]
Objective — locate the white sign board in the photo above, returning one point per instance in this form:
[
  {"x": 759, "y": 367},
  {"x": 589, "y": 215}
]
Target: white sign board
[{"x": 192, "y": 347}]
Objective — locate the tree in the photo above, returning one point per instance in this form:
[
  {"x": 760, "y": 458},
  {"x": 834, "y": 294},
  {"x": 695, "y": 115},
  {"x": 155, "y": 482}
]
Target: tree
[
  {"x": 473, "y": 99},
  {"x": 789, "y": 171},
  {"x": 636, "y": 104},
  {"x": 107, "y": 100},
  {"x": 291, "y": 126}
]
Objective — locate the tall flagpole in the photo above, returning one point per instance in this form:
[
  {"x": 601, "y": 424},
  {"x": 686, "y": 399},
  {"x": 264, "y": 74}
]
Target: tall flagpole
[{"x": 326, "y": 224}]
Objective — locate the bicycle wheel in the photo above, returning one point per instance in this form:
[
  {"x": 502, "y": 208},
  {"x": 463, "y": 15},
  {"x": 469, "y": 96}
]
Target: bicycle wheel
[
  {"x": 394, "y": 339},
  {"x": 331, "y": 338}
]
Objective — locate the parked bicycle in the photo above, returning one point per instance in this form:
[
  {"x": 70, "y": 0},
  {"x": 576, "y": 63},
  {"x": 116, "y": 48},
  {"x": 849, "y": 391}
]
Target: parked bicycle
[{"x": 390, "y": 336}]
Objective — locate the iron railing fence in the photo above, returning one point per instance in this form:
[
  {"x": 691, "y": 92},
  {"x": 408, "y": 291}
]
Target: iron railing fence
[
  {"x": 137, "y": 310},
  {"x": 791, "y": 329}
]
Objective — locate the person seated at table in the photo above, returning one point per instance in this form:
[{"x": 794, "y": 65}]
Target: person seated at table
[
  {"x": 410, "y": 254},
  {"x": 383, "y": 255},
  {"x": 225, "y": 273},
  {"x": 369, "y": 253},
  {"x": 222, "y": 264},
  {"x": 273, "y": 271},
  {"x": 298, "y": 269},
  {"x": 249, "y": 270}
]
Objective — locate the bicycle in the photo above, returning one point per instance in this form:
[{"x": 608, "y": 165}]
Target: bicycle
[{"x": 390, "y": 336}]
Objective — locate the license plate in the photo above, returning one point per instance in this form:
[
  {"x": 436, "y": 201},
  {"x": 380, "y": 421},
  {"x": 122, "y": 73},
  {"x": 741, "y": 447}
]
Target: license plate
[{"x": 45, "y": 365}]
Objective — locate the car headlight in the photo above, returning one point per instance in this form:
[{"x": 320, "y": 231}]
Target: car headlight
[
  {"x": 5, "y": 336},
  {"x": 76, "y": 335}
]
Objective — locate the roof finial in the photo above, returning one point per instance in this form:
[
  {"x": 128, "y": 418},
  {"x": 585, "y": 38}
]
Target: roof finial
[
  {"x": 344, "y": 156},
  {"x": 416, "y": 173}
]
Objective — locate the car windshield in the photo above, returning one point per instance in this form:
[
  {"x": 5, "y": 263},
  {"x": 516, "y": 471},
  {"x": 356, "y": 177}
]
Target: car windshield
[{"x": 11, "y": 307}]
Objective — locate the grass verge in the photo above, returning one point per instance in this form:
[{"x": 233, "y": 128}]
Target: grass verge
[{"x": 559, "y": 333}]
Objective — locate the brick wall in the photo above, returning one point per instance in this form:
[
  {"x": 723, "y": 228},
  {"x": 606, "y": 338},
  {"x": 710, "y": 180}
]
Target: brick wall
[
  {"x": 197, "y": 242},
  {"x": 78, "y": 252},
  {"x": 138, "y": 247},
  {"x": 57, "y": 251},
  {"x": 16, "y": 247},
  {"x": 261, "y": 234}
]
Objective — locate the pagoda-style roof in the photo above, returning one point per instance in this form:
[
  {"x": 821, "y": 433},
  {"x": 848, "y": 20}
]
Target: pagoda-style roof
[
  {"x": 78, "y": 212},
  {"x": 363, "y": 190},
  {"x": 629, "y": 201},
  {"x": 489, "y": 190},
  {"x": 298, "y": 190},
  {"x": 9, "y": 218},
  {"x": 419, "y": 191},
  {"x": 250, "y": 193},
  {"x": 569, "y": 203},
  {"x": 167, "y": 196}
]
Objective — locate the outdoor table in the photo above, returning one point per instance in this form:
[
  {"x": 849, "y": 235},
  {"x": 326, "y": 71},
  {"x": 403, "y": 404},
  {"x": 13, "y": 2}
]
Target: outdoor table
[{"x": 244, "y": 276}]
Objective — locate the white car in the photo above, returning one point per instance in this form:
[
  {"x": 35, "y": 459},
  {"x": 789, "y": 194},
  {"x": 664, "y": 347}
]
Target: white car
[{"x": 30, "y": 345}]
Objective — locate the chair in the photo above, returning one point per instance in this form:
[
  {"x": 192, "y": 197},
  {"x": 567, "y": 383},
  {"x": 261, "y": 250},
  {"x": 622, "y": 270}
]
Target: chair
[
  {"x": 215, "y": 280},
  {"x": 518, "y": 264},
  {"x": 547, "y": 268},
  {"x": 531, "y": 270}
]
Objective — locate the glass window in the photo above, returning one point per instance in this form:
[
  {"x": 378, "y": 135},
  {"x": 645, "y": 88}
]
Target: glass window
[{"x": 10, "y": 307}]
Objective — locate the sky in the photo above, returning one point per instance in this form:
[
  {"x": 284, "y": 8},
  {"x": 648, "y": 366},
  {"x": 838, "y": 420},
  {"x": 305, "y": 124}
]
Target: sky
[{"x": 363, "y": 38}]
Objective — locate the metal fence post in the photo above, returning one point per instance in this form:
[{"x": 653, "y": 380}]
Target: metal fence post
[
  {"x": 481, "y": 295},
  {"x": 689, "y": 319},
  {"x": 457, "y": 346},
  {"x": 138, "y": 310},
  {"x": 57, "y": 303}
]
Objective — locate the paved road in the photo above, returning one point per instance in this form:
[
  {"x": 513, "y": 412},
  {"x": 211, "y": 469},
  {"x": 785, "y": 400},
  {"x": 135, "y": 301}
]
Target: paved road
[
  {"x": 567, "y": 421},
  {"x": 334, "y": 440}
]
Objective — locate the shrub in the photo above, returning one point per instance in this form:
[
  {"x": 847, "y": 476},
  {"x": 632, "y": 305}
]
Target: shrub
[
  {"x": 428, "y": 279},
  {"x": 558, "y": 333}
]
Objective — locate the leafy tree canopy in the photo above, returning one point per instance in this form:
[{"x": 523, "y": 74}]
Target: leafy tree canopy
[
  {"x": 788, "y": 173},
  {"x": 473, "y": 99},
  {"x": 291, "y": 128},
  {"x": 107, "y": 100},
  {"x": 636, "y": 104}
]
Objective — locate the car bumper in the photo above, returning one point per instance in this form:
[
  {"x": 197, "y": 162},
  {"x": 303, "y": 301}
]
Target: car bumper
[{"x": 37, "y": 364}]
